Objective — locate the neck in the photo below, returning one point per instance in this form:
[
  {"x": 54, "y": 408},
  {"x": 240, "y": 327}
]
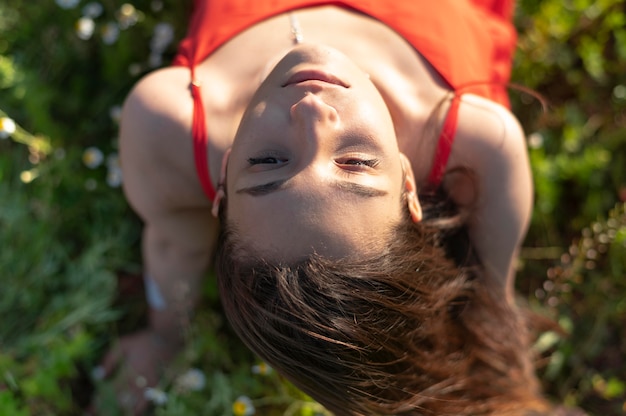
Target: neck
[{"x": 404, "y": 79}]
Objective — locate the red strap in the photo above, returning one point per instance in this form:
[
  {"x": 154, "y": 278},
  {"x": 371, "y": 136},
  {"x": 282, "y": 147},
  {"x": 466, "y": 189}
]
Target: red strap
[
  {"x": 200, "y": 139},
  {"x": 444, "y": 145}
]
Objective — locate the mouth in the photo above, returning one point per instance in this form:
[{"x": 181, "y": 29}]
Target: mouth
[{"x": 314, "y": 76}]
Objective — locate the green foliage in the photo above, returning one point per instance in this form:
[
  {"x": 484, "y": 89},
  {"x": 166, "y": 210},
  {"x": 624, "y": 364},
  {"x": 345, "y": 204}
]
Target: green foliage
[
  {"x": 585, "y": 290},
  {"x": 572, "y": 53},
  {"x": 67, "y": 233},
  {"x": 227, "y": 371}
]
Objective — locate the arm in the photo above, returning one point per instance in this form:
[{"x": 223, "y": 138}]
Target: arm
[
  {"x": 161, "y": 185},
  {"x": 176, "y": 258},
  {"x": 179, "y": 232},
  {"x": 500, "y": 195}
]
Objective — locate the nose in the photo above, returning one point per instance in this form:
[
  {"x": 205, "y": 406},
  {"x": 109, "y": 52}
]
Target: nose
[{"x": 311, "y": 112}]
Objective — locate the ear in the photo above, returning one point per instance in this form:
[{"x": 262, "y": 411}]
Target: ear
[
  {"x": 220, "y": 193},
  {"x": 411, "y": 189}
]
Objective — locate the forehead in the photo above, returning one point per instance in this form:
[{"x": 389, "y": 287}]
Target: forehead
[{"x": 288, "y": 226}]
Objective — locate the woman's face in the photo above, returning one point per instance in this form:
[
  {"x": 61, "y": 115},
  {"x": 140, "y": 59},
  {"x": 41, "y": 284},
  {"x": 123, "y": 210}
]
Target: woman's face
[{"x": 315, "y": 165}]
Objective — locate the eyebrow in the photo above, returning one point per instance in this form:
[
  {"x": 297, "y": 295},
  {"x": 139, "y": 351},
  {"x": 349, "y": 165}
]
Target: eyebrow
[{"x": 362, "y": 191}]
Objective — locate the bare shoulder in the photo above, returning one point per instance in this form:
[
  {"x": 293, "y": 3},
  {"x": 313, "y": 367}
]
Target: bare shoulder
[
  {"x": 160, "y": 180},
  {"x": 155, "y": 144},
  {"x": 485, "y": 123},
  {"x": 491, "y": 144},
  {"x": 489, "y": 139},
  {"x": 162, "y": 95}
]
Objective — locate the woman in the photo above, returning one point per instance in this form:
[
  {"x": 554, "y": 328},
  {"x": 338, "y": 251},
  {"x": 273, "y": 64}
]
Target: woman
[{"x": 319, "y": 123}]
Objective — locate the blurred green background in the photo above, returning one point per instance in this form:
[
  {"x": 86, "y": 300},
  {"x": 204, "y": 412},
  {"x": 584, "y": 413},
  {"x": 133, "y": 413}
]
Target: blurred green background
[{"x": 69, "y": 244}]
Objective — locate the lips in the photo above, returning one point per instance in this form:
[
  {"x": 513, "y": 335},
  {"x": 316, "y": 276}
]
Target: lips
[{"x": 314, "y": 75}]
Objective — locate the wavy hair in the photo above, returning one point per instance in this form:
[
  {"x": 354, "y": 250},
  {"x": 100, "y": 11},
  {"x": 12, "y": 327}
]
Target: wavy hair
[{"x": 406, "y": 331}]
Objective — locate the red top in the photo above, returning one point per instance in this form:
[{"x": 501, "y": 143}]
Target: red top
[{"x": 469, "y": 42}]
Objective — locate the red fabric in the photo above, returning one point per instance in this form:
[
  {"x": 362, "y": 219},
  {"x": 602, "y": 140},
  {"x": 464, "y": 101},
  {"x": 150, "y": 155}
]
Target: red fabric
[
  {"x": 444, "y": 144},
  {"x": 200, "y": 140},
  {"x": 469, "y": 42}
]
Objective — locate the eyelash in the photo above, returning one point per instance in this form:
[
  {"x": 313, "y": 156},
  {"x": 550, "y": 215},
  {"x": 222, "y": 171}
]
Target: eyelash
[
  {"x": 369, "y": 162},
  {"x": 263, "y": 160},
  {"x": 348, "y": 170}
]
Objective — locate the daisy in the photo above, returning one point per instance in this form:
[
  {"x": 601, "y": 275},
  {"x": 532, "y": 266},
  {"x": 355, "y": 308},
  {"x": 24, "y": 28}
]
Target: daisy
[
  {"x": 7, "y": 127},
  {"x": 243, "y": 406},
  {"x": 93, "y": 157}
]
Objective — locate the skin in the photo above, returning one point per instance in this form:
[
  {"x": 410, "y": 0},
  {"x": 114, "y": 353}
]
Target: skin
[
  {"x": 322, "y": 135},
  {"x": 333, "y": 152}
]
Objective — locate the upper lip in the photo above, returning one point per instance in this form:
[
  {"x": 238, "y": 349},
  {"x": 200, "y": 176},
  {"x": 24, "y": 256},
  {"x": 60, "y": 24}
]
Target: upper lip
[{"x": 314, "y": 75}]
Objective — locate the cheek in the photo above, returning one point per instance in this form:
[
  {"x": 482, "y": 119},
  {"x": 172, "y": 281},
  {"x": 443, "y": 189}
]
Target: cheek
[
  {"x": 372, "y": 120},
  {"x": 262, "y": 121}
]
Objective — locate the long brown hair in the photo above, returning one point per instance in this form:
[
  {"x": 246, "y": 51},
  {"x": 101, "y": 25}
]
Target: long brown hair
[{"x": 405, "y": 331}]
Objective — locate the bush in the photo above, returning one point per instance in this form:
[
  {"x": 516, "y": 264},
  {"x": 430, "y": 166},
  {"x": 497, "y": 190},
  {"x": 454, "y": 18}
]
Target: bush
[{"x": 572, "y": 265}]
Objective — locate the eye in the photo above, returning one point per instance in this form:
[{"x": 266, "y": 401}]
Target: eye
[
  {"x": 269, "y": 160},
  {"x": 359, "y": 162}
]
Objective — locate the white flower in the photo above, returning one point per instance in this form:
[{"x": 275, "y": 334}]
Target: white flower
[
  {"x": 535, "y": 141},
  {"x": 85, "y": 27},
  {"x": 261, "y": 369},
  {"x": 115, "y": 113},
  {"x": 114, "y": 178},
  {"x": 162, "y": 36},
  {"x": 127, "y": 16},
  {"x": 156, "y": 396},
  {"x": 114, "y": 172},
  {"x": 93, "y": 9},
  {"x": 28, "y": 176},
  {"x": 7, "y": 127},
  {"x": 243, "y": 406},
  {"x": 92, "y": 157},
  {"x": 67, "y": 4},
  {"x": 192, "y": 380},
  {"x": 110, "y": 33}
]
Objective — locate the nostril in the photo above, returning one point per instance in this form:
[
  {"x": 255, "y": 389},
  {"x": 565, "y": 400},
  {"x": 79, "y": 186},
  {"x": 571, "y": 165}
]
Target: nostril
[{"x": 312, "y": 108}]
